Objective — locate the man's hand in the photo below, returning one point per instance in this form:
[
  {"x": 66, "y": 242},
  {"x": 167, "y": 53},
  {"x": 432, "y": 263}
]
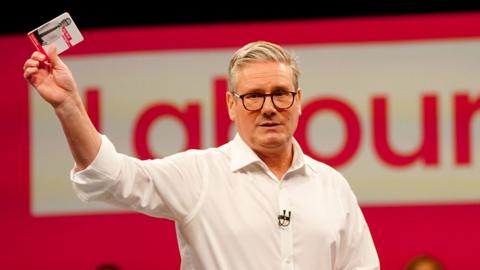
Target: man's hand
[{"x": 51, "y": 77}]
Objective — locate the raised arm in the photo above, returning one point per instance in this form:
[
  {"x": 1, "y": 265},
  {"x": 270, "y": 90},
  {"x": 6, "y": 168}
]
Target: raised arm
[{"x": 55, "y": 83}]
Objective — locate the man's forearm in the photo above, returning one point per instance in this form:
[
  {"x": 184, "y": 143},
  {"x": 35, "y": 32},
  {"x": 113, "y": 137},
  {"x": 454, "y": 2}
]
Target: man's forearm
[{"x": 82, "y": 137}]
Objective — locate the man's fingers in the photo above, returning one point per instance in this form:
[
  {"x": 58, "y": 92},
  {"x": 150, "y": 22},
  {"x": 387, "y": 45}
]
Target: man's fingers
[
  {"x": 36, "y": 55},
  {"x": 27, "y": 74},
  {"x": 31, "y": 63}
]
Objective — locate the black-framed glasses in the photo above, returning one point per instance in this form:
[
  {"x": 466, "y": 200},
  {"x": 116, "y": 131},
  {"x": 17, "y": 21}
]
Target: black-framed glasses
[{"x": 254, "y": 101}]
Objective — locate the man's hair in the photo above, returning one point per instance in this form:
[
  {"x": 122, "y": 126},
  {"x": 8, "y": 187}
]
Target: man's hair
[
  {"x": 424, "y": 259},
  {"x": 261, "y": 51}
]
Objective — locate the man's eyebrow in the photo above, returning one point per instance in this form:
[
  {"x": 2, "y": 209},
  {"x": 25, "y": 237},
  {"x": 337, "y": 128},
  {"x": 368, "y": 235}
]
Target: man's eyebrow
[
  {"x": 281, "y": 88},
  {"x": 255, "y": 90},
  {"x": 262, "y": 90}
]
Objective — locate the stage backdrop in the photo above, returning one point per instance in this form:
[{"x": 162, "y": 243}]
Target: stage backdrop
[{"x": 391, "y": 102}]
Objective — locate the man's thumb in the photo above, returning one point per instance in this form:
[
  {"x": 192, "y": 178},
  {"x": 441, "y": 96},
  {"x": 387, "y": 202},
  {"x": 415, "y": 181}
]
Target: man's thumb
[{"x": 53, "y": 56}]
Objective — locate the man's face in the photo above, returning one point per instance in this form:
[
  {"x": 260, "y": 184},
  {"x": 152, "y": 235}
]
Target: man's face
[{"x": 268, "y": 130}]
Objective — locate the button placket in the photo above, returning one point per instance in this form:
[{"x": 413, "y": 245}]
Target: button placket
[{"x": 286, "y": 232}]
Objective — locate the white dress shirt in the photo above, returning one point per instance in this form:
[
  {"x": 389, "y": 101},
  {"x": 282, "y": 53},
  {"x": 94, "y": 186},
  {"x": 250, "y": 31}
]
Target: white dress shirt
[{"x": 226, "y": 201}]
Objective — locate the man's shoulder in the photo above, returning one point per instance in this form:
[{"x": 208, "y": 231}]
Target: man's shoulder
[
  {"x": 327, "y": 174},
  {"x": 212, "y": 152},
  {"x": 319, "y": 167}
]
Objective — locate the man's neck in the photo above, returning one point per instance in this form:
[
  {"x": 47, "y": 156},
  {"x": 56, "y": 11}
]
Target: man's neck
[{"x": 278, "y": 161}]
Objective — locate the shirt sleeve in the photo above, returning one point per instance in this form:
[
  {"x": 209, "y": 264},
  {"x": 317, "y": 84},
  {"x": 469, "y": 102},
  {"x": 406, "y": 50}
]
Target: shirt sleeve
[
  {"x": 168, "y": 187},
  {"x": 357, "y": 249}
]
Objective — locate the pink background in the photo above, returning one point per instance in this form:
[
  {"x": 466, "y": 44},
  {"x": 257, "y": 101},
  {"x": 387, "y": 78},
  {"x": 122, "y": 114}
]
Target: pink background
[{"x": 133, "y": 241}]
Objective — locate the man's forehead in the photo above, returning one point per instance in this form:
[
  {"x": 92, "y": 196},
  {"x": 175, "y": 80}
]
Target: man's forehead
[
  {"x": 263, "y": 66},
  {"x": 264, "y": 75}
]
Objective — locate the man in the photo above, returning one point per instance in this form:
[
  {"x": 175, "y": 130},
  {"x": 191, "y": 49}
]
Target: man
[
  {"x": 256, "y": 202},
  {"x": 424, "y": 262}
]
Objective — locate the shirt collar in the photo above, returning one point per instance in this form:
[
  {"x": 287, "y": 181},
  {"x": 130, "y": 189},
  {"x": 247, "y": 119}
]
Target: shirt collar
[
  {"x": 298, "y": 158},
  {"x": 242, "y": 155}
]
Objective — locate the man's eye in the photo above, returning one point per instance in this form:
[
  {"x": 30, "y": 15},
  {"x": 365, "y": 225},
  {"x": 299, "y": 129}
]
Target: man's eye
[
  {"x": 254, "y": 96},
  {"x": 281, "y": 94}
]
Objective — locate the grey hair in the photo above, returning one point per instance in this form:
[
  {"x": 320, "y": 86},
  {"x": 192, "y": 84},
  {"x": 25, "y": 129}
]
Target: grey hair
[{"x": 260, "y": 51}]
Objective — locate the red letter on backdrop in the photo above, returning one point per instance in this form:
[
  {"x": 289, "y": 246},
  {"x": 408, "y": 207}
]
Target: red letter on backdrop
[
  {"x": 428, "y": 150},
  {"x": 92, "y": 104},
  {"x": 222, "y": 120},
  {"x": 190, "y": 119},
  {"x": 464, "y": 110},
  {"x": 352, "y": 130}
]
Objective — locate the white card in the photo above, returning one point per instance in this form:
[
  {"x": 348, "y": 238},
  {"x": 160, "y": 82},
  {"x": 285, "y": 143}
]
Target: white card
[{"x": 60, "y": 31}]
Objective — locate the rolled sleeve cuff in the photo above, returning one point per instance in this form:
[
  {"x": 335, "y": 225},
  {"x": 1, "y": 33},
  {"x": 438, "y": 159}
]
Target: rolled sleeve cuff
[{"x": 100, "y": 174}]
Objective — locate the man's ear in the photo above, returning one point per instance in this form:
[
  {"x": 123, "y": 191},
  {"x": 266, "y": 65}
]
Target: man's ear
[{"x": 230, "y": 105}]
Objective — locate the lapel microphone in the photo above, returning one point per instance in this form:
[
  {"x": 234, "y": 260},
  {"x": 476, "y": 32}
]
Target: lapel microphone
[{"x": 284, "y": 219}]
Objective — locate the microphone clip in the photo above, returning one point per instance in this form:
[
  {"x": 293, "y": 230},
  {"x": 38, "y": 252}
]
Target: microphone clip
[{"x": 284, "y": 219}]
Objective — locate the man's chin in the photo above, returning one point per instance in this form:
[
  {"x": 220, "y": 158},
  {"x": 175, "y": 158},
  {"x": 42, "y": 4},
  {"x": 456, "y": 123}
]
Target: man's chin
[{"x": 273, "y": 141}]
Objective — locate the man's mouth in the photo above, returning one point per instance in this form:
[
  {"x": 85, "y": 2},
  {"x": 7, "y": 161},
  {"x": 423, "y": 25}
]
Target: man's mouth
[{"x": 269, "y": 124}]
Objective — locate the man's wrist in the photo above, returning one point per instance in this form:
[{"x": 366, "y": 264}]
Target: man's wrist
[{"x": 70, "y": 105}]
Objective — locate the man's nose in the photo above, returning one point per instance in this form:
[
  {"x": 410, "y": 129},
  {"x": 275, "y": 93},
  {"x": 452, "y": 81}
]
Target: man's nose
[{"x": 268, "y": 106}]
